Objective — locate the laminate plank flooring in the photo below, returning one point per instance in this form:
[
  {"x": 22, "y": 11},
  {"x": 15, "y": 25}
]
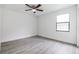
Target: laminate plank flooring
[{"x": 37, "y": 45}]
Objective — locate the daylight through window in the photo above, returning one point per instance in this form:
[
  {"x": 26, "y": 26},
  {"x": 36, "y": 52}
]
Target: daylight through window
[{"x": 63, "y": 23}]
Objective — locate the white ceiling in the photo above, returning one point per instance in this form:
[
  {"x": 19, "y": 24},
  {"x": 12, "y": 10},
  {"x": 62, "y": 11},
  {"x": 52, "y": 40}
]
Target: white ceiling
[{"x": 46, "y": 7}]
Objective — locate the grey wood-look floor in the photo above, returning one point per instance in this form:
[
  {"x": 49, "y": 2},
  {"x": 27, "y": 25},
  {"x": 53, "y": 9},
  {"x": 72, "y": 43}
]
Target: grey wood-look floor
[{"x": 37, "y": 45}]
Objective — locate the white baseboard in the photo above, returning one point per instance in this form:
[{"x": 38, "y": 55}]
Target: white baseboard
[
  {"x": 46, "y": 36},
  {"x": 18, "y": 38}
]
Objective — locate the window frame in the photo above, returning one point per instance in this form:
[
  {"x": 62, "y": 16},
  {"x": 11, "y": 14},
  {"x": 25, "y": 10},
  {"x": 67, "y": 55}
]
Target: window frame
[{"x": 63, "y": 22}]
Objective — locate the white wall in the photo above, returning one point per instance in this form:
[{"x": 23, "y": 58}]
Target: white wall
[
  {"x": 0, "y": 27},
  {"x": 78, "y": 26},
  {"x": 17, "y": 25},
  {"x": 47, "y": 25},
  {"x": 0, "y": 24}
]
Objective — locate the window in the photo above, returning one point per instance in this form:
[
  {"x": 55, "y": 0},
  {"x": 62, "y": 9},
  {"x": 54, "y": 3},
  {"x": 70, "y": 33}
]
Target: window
[{"x": 63, "y": 23}]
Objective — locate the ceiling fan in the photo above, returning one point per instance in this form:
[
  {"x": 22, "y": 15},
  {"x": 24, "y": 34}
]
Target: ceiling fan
[{"x": 34, "y": 8}]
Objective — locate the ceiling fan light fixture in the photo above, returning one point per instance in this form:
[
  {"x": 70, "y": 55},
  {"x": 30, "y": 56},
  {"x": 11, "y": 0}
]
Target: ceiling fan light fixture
[{"x": 34, "y": 10}]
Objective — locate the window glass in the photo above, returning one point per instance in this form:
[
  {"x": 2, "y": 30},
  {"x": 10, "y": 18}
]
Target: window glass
[
  {"x": 63, "y": 22},
  {"x": 63, "y": 18}
]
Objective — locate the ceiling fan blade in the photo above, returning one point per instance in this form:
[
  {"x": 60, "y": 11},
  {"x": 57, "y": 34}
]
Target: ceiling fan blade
[
  {"x": 38, "y": 6},
  {"x": 28, "y": 9},
  {"x": 28, "y": 5},
  {"x": 39, "y": 10}
]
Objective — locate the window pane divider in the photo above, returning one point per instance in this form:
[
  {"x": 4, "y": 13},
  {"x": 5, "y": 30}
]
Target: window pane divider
[{"x": 62, "y": 22}]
